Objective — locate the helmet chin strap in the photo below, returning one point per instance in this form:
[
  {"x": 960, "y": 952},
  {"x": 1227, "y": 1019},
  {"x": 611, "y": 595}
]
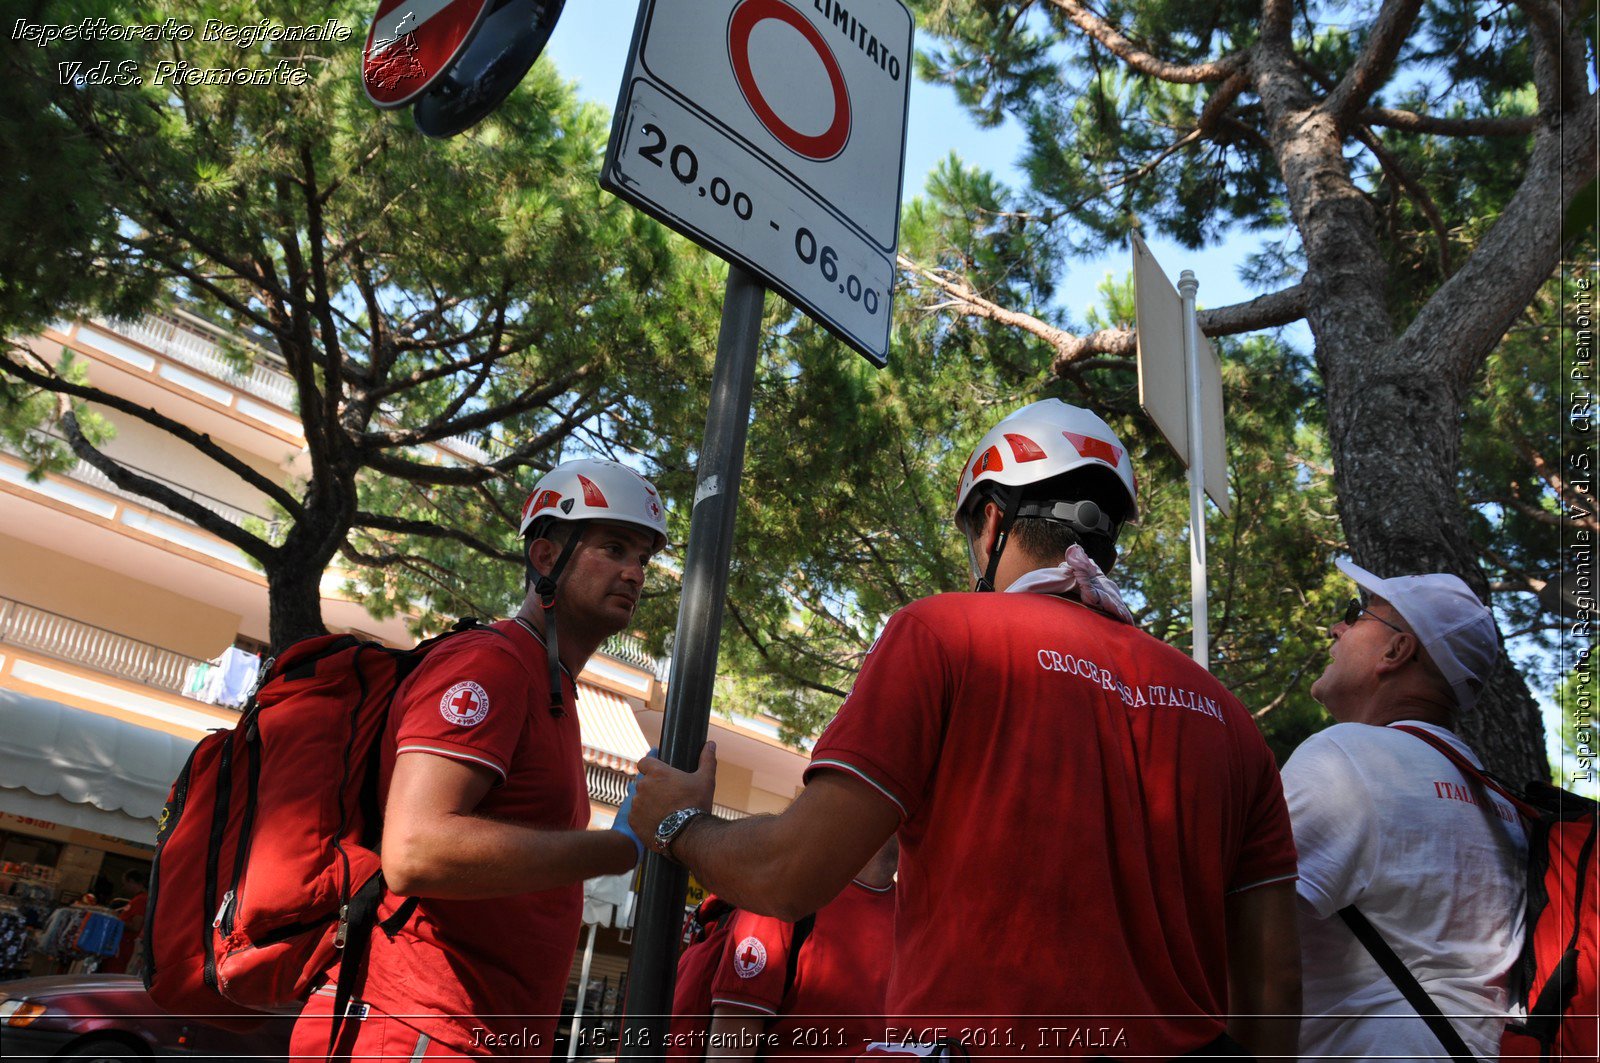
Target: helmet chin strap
[
  {"x": 545, "y": 587},
  {"x": 1008, "y": 514}
]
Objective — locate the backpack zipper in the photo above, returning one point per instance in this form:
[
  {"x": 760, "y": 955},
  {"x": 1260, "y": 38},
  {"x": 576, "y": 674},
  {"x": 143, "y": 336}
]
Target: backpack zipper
[
  {"x": 219, "y": 827},
  {"x": 342, "y": 934}
]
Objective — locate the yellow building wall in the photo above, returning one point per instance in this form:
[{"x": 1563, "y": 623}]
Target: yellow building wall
[
  {"x": 761, "y": 802},
  {"x": 733, "y": 785},
  {"x": 144, "y": 446},
  {"x": 85, "y": 592}
]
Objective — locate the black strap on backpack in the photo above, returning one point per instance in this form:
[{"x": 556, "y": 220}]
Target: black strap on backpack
[
  {"x": 802, "y": 930},
  {"x": 1401, "y": 976},
  {"x": 359, "y": 918}
]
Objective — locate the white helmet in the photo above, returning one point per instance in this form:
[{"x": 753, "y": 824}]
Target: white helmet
[
  {"x": 595, "y": 489},
  {"x": 1036, "y": 444},
  {"x": 1040, "y": 442}
]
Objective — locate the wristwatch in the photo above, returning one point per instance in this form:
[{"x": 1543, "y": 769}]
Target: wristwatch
[{"x": 672, "y": 826}]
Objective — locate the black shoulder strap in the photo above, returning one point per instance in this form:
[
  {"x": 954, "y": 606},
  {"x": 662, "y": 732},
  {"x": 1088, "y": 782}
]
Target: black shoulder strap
[
  {"x": 1407, "y": 983},
  {"x": 802, "y": 931}
]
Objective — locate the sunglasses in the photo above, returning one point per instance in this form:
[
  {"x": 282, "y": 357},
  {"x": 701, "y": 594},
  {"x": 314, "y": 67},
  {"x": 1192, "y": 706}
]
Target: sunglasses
[{"x": 1354, "y": 611}]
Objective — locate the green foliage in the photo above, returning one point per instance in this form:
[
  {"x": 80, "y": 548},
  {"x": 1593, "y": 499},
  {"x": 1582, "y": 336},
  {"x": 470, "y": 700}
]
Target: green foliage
[
  {"x": 23, "y": 410},
  {"x": 851, "y": 476},
  {"x": 417, "y": 291}
]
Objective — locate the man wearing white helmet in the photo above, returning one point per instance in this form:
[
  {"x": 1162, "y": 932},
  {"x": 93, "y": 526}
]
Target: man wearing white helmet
[
  {"x": 1388, "y": 827},
  {"x": 485, "y": 800},
  {"x": 1095, "y": 854}
]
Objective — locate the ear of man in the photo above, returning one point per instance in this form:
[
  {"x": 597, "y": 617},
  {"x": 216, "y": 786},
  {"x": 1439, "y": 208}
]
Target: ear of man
[{"x": 542, "y": 549}]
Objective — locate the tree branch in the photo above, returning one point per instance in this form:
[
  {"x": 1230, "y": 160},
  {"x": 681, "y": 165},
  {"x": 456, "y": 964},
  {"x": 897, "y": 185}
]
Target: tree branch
[
  {"x": 332, "y": 348},
  {"x": 430, "y": 530},
  {"x": 1411, "y": 122},
  {"x": 1419, "y": 195},
  {"x": 160, "y": 493},
  {"x": 1142, "y": 61},
  {"x": 1471, "y": 311},
  {"x": 1552, "y": 594},
  {"x": 1373, "y": 66},
  {"x": 442, "y": 429},
  {"x": 430, "y": 572},
  {"x": 469, "y": 476},
  {"x": 1559, "y": 56},
  {"x": 203, "y": 443},
  {"x": 753, "y": 637},
  {"x": 1265, "y": 311}
]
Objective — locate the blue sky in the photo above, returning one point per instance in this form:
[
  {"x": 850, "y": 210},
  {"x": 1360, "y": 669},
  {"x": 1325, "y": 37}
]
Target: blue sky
[{"x": 590, "y": 46}]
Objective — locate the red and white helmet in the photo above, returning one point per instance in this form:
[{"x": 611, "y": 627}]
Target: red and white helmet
[
  {"x": 1040, "y": 442},
  {"x": 596, "y": 489}
]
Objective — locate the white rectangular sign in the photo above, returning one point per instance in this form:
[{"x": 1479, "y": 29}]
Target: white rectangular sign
[
  {"x": 1164, "y": 375},
  {"x": 773, "y": 133}
]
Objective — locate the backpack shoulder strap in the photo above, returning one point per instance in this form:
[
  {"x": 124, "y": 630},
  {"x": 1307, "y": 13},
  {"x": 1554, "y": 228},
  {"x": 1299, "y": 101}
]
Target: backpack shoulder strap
[
  {"x": 802, "y": 931},
  {"x": 1406, "y": 982},
  {"x": 1472, "y": 772}
]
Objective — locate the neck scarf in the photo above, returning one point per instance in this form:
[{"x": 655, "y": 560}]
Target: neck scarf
[{"x": 1079, "y": 578}]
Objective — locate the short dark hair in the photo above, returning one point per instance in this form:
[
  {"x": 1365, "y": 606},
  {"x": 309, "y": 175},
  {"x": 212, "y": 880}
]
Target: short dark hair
[
  {"x": 1047, "y": 540},
  {"x": 136, "y": 876},
  {"x": 557, "y": 531}
]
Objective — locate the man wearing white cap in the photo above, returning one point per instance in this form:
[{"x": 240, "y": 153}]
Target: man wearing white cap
[{"x": 1385, "y": 824}]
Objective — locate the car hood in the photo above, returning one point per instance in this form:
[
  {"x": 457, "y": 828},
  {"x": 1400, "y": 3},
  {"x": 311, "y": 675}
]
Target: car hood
[{"x": 70, "y": 985}]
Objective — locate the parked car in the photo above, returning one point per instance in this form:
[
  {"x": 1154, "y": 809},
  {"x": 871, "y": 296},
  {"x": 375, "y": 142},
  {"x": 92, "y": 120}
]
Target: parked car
[{"x": 109, "y": 1018}]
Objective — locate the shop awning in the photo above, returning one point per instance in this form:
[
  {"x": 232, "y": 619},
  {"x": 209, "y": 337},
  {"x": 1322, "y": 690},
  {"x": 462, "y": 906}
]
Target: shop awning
[
  {"x": 81, "y": 769},
  {"x": 611, "y": 736}
]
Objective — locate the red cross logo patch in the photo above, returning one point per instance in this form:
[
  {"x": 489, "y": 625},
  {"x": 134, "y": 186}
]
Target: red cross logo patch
[
  {"x": 465, "y": 704},
  {"x": 749, "y": 958}
]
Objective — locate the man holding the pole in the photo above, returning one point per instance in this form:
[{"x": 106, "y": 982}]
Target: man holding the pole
[
  {"x": 1095, "y": 854},
  {"x": 485, "y": 804}
]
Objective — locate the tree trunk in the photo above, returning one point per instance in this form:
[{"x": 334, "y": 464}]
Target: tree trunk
[
  {"x": 1394, "y": 417},
  {"x": 294, "y": 601},
  {"x": 294, "y": 581},
  {"x": 1396, "y": 435}
]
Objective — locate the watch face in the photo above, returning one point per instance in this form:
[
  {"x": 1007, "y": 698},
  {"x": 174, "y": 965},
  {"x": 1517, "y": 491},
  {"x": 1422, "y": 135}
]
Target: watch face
[{"x": 670, "y": 826}]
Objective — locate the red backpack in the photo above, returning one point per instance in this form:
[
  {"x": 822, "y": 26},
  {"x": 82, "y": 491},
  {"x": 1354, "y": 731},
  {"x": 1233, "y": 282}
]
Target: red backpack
[
  {"x": 1559, "y": 973},
  {"x": 266, "y": 867}
]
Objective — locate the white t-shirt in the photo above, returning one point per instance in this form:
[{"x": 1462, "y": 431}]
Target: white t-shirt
[{"x": 1385, "y": 822}]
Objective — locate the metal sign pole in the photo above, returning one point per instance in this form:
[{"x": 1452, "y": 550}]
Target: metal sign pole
[
  {"x": 654, "y": 963},
  {"x": 1187, "y": 287}
]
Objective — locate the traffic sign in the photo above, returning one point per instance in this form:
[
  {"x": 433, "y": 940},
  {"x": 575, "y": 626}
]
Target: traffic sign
[
  {"x": 412, "y": 43},
  {"x": 493, "y": 63},
  {"x": 773, "y": 133}
]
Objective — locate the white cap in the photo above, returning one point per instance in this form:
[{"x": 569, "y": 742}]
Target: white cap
[{"x": 1456, "y": 629}]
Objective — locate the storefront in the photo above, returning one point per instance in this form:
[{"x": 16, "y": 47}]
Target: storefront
[{"x": 79, "y": 797}]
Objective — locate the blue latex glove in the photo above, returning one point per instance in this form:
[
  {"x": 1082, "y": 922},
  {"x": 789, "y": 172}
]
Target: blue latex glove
[{"x": 620, "y": 824}]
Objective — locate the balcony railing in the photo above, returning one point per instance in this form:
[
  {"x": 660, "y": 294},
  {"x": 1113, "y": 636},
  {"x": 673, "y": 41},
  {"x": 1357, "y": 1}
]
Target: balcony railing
[
  {"x": 93, "y": 647},
  {"x": 629, "y": 650},
  {"x": 187, "y": 343},
  {"x": 85, "y": 473}
]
